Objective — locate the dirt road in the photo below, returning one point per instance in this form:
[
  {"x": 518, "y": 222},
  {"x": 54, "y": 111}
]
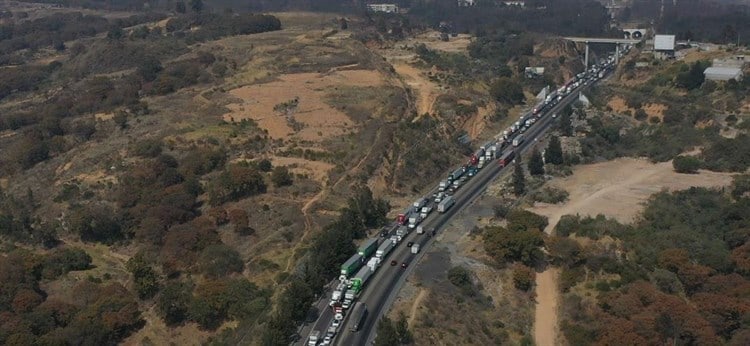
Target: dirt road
[{"x": 616, "y": 189}]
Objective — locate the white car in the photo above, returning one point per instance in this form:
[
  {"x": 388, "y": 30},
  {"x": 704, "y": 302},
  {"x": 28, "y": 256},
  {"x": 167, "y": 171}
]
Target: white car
[
  {"x": 336, "y": 323},
  {"x": 326, "y": 340}
]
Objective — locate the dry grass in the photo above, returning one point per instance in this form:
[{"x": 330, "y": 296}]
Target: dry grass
[{"x": 320, "y": 120}]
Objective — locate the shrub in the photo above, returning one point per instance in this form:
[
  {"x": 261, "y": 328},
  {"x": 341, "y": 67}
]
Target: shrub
[
  {"x": 148, "y": 148},
  {"x": 523, "y": 277},
  {"x": 550, "y": 195},
  {"x": 281, "y": 176},
  {"x": 686, "y": 164},
  {"x": 220, "y": 260}
]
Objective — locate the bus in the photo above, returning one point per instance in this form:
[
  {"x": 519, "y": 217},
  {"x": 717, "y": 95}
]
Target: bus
[{"x": 359, "y": 313}]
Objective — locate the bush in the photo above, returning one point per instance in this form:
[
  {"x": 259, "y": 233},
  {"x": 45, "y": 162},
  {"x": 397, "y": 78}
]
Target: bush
[
  {"x": 550, "y": 195},
  {"x": 220, "y": 260},
  {"x": 523, "y": 277},
  {"x": 686, "y": 164},
  {"x": 640, "y": 114},
  {"x": 148, "y": 148},
  {"x": 281, "y": 176},
  {"x": 173, "y": 303},
  {"x": 236, "y": 182}
]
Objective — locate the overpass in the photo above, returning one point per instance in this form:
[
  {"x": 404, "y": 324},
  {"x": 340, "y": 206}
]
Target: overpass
[{"x": 616, "y": 41}]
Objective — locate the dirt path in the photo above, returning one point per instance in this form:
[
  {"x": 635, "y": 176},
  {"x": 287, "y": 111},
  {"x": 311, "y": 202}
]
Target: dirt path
[
  {"x": 414, "y": 306},
  {"x": 545, "y": 323},
  {"x": 320, "y": 195},
  {"x": 425, "y": 90}
]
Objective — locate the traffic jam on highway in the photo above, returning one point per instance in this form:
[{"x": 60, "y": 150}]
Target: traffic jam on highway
[{"x": 358, "y": 270}]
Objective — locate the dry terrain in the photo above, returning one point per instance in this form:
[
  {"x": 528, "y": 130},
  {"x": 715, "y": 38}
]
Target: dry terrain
[{"x": 616, "y": 189}]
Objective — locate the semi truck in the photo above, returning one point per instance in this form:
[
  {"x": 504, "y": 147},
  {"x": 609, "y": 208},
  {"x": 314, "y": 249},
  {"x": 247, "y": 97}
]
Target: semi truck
[
  {"x": 351, "y": 265},
  {"x": 359, "y": 313},
  {"x": 518, "y": 140},
  {"x": 349, "y": 297},
  {"x": 420, "y": 203},
  {"x": 368, "y": 248},
  {"x": 359, "y": 280},
  {"x": 414, "y": 220},
  {"x": 415, "y": 248},
  {"x": 426, "y": 210},
  {"x": 446, "y": 204},
  {"x": 401, "y": 233},
  {"x": 384, "y": 249},
  {"x": 401, "y": 219},
  {"x": 443, "y": 185},
  {"x": 338, "y": 293},
  {"x": 457, "y": 174},
  {"x": 507, "y": 158},
  {"x": 373, "y": 263}
]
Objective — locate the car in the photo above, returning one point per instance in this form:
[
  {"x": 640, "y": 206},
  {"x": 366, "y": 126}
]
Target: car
[
  {"x": 409, "y": 244},
  {"x": 336, "y": 323},
  {"x": 393, "y": 263},
  {"x": 404, "y": 265},
  {"x": 554, "y": 115},
  {"x": 326, "y": 340}
]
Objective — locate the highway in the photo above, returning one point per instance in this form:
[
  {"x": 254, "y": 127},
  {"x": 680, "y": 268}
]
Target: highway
[{"x": 383, "y": 286}]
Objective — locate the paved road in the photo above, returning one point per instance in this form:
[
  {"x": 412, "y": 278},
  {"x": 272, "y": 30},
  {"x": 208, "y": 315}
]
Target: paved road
[{"x": 383, "y": 286}]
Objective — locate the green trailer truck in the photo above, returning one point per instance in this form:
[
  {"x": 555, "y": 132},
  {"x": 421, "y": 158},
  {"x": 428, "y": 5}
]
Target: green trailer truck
[
  {"x": 351, "y": 265},
  {"x": 368, "y": 248},
  {"x": 359, "y": 280}
]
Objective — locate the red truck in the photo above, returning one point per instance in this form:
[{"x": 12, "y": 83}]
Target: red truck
[{"x": 507, "y": 158}]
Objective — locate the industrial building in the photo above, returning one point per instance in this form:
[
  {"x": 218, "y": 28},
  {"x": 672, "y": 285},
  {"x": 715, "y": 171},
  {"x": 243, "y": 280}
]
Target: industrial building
[{"x": 723, "y": 73}]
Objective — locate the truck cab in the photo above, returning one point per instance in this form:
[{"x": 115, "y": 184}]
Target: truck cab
[{"x": 314, "y": 338}]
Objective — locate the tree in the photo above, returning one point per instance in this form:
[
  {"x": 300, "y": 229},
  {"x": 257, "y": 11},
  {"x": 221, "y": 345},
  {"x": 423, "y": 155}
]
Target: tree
[
  {"x": 121, "y": 119},
  {"x": 536, "y": 164},
  {"x": 343, "y": 23},
  {"x": 115, "y": 33},
  {"x": 281, "y": 176},
  {"x": 149, "y": 68},
  {"x": 740, "y": 185},
  {"x": 554, "y": 154},
  {"x": 173, "y": 302},
  {"x": 505, "y": 245},
  {"x": 179, "y": 7},
  {"x": 402, "y": 330},
  {"x": 523, "y": 277},
  {"x": 196, "y": 5},
  {"x": 387, "y": 335},
  {"x": 566, "y": 127},
  {"x": 686, "y": 164},
  {"x": 220, "y": 260},
  {"x": 145, "y": 279},
  {"x": 519, "y": 180},
  {"x": 506, "y": 90}
]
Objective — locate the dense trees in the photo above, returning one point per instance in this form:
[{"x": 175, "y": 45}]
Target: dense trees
[
  {"x": 554, "y": 154},
  {"x": 536, "y": 163},
  {"x": 506, "y": 90},
  {"x": 327, "y": 252},
  {"x": 235, "y": 182},
  {"x": 686, "y": 164},
  {"x": 681, "y": 279},
  {"x": 519, "y": 179},
  {"x": 281, "y": 176}
]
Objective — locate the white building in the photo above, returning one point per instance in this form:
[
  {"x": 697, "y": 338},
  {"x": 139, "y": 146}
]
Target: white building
[
  {"x": 465, "y": 3},
  {"x": 387, "y": 8},
  {"x": 723, "y": 73},
  {"x": 664, "y": 46}
]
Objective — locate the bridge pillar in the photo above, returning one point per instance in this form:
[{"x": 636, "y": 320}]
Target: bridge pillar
[
  {"x": 586, "y": 59},
  {"x": 617, "y": 54}
]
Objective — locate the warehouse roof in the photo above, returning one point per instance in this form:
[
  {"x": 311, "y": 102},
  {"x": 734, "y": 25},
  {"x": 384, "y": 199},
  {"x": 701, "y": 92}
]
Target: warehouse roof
[{"x": 723, "y": 72}]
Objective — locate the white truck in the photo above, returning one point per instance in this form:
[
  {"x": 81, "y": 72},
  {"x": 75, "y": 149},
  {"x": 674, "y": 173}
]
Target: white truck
[
  {"x": 420, "y": 203},
  {"x": 395, "y": 239},
  {"x": 415, "y": 248},
  {"x": 401, "y": 233},
  {"x": 426, "y": 210},
  {"x": 443, "y": 185},
  {"x": 337, "y": 293},
  {"x": 482, "y": 159},
  {"x": 414, "y": 220},
  {"x": 329, "y": 335},
  {"x": 446, "y": 204},
  {"x": 314, "y": 338},
  {"x": 385, "y": 248},
  {"x": 420, "y": 229},
  {"x": 518, "y": 140},
  {"x": 349, "y": 298},
  {"x": 373, "y": 263}
]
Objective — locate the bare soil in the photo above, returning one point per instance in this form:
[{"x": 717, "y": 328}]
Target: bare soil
[
  {"x": 320, "y": 120},
  {"x": 432, "y": 40},
  {"x": 545, "y": 317},
  {"x": 426, "y": 91},
  {"x": 618, "y": 188}
]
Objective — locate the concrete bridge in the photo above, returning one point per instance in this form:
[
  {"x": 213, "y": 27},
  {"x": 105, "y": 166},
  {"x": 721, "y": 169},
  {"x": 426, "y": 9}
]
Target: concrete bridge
[{"x": 616, "y": 41}]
